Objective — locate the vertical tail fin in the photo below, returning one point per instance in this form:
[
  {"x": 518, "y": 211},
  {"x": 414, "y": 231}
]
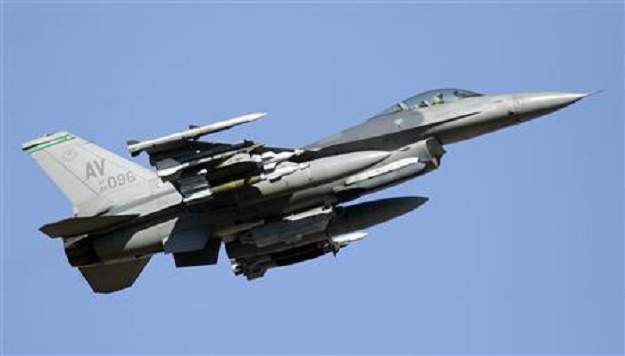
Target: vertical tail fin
[{"x": 83, "y": 170}]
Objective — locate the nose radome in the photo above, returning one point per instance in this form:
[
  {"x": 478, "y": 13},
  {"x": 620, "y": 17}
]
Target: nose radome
[{"x": 537, "y": 104}]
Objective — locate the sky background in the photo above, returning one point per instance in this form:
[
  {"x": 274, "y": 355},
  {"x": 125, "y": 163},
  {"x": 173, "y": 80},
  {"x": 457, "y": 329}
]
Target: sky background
[{"x": 519, "y": 250}]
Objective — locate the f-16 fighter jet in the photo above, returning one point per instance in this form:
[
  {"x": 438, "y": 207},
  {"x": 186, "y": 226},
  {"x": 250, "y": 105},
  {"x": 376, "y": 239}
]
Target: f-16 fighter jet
[{"x": 269, "y": 206}]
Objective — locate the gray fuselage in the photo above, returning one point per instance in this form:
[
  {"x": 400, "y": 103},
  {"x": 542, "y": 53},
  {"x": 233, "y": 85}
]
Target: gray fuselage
[{"x": 397, "y": 133}]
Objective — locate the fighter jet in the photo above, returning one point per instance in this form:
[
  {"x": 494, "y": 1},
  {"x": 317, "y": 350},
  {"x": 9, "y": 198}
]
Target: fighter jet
[{"x": 269, "y": 206}]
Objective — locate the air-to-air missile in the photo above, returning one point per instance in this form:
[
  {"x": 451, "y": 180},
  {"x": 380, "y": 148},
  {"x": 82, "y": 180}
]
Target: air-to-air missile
[
  {"x": 270, "y": 206},
  {"x": 193, "y": 133}
]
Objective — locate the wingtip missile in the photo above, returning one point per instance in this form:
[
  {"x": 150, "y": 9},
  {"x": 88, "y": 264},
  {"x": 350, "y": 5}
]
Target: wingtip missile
[{"x": 193, "y": 133}]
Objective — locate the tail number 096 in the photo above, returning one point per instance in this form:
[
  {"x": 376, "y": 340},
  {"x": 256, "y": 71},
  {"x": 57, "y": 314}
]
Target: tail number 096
[{"x": 120, "y": 180}]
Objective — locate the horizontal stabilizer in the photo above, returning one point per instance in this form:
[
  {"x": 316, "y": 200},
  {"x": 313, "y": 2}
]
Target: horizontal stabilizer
[
  {"x": 83, "y": 225},
  {"x": 107, "y": 278}
]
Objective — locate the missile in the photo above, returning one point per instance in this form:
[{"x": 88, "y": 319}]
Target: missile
[
  {"x": 173, "y": 170},
  {"x": 194, "y": 132},
  {"x": 235, "y": 184},
  {"x": 338, "y": 242},
  {"x": 346, "y": 239}
]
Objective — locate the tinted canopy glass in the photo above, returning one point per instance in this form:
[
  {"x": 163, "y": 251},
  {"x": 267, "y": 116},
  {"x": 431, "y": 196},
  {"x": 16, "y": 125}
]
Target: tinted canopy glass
[{"x": 430, "y": 98}]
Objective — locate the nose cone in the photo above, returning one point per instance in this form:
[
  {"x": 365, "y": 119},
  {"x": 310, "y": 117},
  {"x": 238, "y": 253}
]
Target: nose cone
[{"x": 528, "y": 106}]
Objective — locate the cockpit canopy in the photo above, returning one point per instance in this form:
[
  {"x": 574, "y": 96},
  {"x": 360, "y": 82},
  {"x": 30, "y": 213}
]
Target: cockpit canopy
[{"x": 430, "y": 98}]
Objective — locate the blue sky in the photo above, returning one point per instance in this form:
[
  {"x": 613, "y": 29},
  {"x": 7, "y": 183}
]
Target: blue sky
[{"x": 519, "y": 250}]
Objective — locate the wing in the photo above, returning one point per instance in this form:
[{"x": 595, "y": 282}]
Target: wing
[
  {"x": 107, "y": 278},
  {"x": 200, "y": 169}
]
